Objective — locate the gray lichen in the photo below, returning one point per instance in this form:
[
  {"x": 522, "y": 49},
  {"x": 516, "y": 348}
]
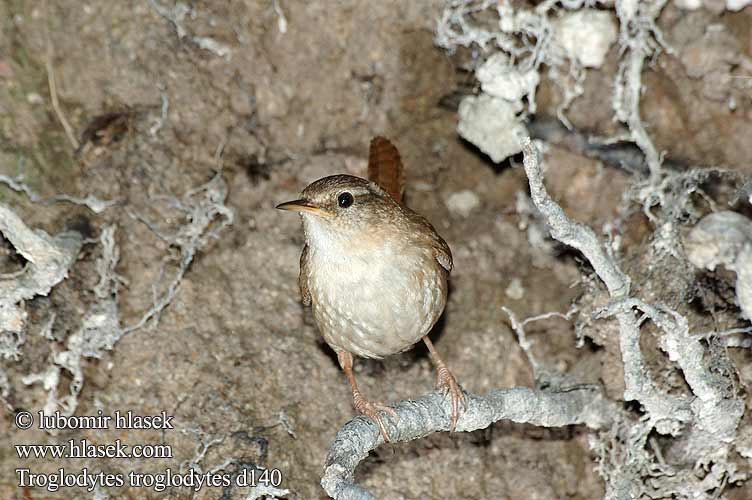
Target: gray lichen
[
  {"x": 48, "y": 260},
  {"x": 704, "y": 421}
]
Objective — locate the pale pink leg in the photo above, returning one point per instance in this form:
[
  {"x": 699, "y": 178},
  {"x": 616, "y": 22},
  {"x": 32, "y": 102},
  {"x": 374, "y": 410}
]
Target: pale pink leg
[
  {"x": 363, "y": 406},
  {"x": 445, "y": 379}
]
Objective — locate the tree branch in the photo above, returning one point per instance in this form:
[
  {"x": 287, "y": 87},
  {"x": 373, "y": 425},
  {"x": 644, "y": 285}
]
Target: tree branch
[{"x": 431, "y": 413}]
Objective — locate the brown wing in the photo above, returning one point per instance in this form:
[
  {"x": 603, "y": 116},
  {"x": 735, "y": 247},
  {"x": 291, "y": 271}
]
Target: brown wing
[
  {"x": 426, "y": 236},
  {"x": 385, "y": 167},
  {"x": 442, "y": 253},
  {"x": 305, "y": 294}
]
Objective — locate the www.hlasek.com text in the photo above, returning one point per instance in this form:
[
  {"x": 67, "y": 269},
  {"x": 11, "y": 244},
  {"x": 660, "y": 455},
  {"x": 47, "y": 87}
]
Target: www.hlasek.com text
[{"x": 82, "y": 448}]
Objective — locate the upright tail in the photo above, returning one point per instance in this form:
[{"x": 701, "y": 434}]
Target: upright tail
[{"x": 385, "y": 167}]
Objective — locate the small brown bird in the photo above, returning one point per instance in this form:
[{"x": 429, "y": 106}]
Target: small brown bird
[{"x": 374, "y": 271}]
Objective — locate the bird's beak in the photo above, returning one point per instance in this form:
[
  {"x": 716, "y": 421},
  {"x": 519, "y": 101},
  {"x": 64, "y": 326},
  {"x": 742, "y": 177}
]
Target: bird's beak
[{"x": 303, "y": 206}]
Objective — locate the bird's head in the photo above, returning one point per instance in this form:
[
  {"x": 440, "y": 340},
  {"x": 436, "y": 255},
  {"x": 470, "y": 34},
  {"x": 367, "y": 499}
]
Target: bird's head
[{"x": 344, "y": 206}]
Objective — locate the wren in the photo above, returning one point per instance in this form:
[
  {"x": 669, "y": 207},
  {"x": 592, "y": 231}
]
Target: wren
[{"x": 375, "y": 273}]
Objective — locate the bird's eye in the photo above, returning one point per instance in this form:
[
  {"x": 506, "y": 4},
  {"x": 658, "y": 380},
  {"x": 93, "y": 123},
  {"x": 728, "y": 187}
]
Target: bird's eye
[{"x": 345, "y": 199}]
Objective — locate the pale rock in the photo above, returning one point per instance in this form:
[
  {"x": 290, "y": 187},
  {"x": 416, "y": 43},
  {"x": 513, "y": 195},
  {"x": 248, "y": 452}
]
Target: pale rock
[
  {"x": 34, "y": 98},
  {"x": 688, "y": 4},
  {"x": 515, "y": 290},
  {"x": 492, "y": 124},
  {"x": 586, "y": 35},
  {"x": 462, "y": 202},
  {"x": 743, "y": 267},
  {"x": 500, "y": 78},
  {"x": 737, "y": 5}
]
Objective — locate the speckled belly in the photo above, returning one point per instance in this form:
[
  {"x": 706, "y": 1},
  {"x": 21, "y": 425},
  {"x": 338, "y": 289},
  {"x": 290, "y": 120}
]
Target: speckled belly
[{"x": 375, "y": 310}]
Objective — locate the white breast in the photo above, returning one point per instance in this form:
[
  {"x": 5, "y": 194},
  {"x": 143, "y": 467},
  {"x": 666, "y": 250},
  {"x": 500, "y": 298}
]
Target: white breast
[{"x": 372, "y": 296}]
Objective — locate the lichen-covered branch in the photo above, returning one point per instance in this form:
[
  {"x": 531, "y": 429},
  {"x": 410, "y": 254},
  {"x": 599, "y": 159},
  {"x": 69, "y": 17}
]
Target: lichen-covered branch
[
  {"x": 206, "y": 215},
  {"x": 98, "y": 333},
  {"x": 715, "y": 409},
  {"x": 571, "y": 232},
  {"x": 639, "y": 386},
  {"x": 431, "y": 413},
  {"x": 639, "y": 36},
  {"x": 89, "y": 201},
  {"x": 705, "y": 419},
  {"x": 48, "y": 260}
]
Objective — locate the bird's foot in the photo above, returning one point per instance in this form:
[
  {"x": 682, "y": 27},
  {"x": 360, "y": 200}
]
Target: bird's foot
[
  {"x": 446, "y": 380},
  {"x": 371, "y": 410}
]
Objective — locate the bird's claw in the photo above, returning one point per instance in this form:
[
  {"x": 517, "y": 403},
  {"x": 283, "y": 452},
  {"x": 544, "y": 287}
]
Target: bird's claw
[
  {"x": 371, "y": 410},
  {"x": 448, "y": 383}
]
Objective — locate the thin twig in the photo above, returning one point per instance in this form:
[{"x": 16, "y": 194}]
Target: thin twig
[
  {"x": 89, "y": 201},
  {"x": 527, "y": 345},
  {"x": 53, "y": 85}
]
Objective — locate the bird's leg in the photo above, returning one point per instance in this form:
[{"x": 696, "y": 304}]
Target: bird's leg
[
  {"x": 363, "y": 406},
  {"x": 445, "y": 379}
]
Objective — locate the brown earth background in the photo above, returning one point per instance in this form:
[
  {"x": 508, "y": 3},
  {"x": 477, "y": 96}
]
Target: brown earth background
[{"x": 234, "y": 355}]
